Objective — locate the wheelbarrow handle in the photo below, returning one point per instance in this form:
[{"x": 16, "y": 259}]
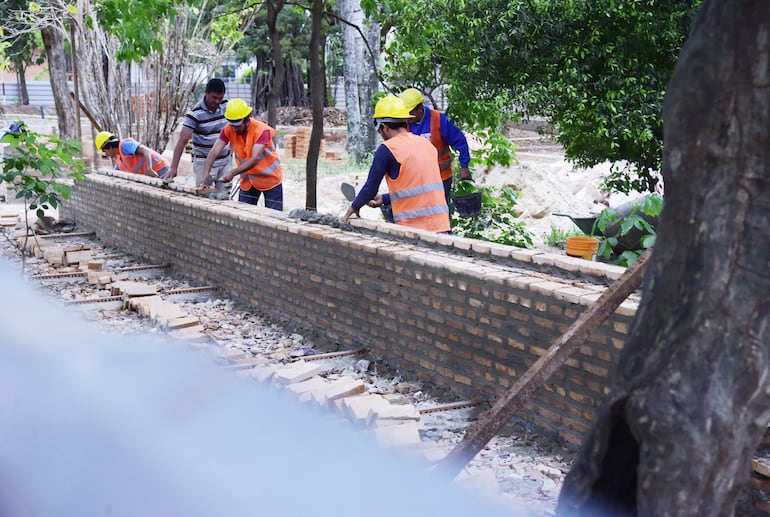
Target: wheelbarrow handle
[{"x": 565, "y": 215}]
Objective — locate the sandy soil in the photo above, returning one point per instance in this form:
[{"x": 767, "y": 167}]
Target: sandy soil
[{"x": 548, "y": 184}]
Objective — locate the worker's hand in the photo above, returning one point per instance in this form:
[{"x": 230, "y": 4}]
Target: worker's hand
[
  {"x": 348, "y": 213},
  {"x": 376, "y": 202},
  {"x": 170, "y": 175},
  {"x": 226, "y": 178},
  {"x": 465, "y": 173}
]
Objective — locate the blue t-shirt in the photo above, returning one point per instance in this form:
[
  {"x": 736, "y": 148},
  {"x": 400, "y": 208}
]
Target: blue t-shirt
[
  {"x": 129, "y": 146},
  {"x": 383, "y": 162},
  {"x": 451, "y": 134}
]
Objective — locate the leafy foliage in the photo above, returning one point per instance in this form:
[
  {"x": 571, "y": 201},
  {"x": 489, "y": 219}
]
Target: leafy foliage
[
  {"x": 294, "y": 23},
  {"x": 497, "y": 221},
  {"x": 22, "y": 46},
  {"x": 616, "y": 226},
  {"x": 597, "y": 70},
  {"x": 138, "y": 33},
  {"x": 33, "y": 165},
  {"x": 4, "y": 61},
  {"x": 424, "y": 59}
]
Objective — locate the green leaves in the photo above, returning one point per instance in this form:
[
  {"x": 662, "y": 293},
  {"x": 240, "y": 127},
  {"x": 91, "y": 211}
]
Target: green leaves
[
  {"x": 498, "y": 219},
  {"x": 135, "y": 24},
  {"x": 631, "y": 228},
  {"x": 33, "y": 165},
  {"x": 597, "y": 70}
]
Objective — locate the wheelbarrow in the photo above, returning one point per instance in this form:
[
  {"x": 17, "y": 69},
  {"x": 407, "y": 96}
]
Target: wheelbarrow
[{"x": 586, "y": 224}]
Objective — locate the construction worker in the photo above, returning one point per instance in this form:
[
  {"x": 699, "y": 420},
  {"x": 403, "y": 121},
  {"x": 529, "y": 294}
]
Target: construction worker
[
  {"x": 409, "y": 164},
  {"x": 442, "y": 133},
  {"x": 255, "y": 153},
  {"x": 203, "y": 123},
  {"x": 131, "y": 156}
]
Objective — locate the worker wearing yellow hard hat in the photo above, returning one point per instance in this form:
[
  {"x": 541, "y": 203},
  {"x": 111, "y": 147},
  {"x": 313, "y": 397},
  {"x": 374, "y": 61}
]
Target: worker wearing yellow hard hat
[
  {"x": 442, "y": 133},
  {"x": 256, "y": 156},
  {"x": 410, "y": 167},
  {"x": 131, "y": 156}
]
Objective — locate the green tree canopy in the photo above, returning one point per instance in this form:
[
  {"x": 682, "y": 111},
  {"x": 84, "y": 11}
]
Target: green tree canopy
[{"x": 596, "y": 70}]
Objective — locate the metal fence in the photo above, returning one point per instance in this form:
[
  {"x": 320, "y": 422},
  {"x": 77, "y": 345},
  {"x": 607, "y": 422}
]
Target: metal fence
[{"x": 40, "y": 93}]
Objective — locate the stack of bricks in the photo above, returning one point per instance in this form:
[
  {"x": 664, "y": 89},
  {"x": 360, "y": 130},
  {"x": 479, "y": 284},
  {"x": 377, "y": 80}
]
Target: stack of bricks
[
  {"x": 296, "y": 144},
  {"x": 290, "y": 145},
  {"x": 333, "y": 156},
  {"x": 9, "y": 218},
  {"x": 759, "y": 482},
  {"x": 393, "y": 424},
  {"x": 144, "y": 299},
  {"x": 302, "y": 142}
]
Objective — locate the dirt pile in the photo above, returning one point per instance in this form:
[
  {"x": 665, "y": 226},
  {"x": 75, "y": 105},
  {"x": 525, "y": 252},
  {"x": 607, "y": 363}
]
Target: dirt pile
[{"x": 295, "y": 116}]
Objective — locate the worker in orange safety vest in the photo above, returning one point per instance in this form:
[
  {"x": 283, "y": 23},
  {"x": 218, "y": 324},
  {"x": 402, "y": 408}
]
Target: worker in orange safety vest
[
  {"x": 409, "y": 165},
  {"x": 131, "y": 156},
  {"x": 256, "y": 154}
]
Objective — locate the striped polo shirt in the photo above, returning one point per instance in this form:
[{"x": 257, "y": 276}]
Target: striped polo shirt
[{"x": 206, "y": 126}]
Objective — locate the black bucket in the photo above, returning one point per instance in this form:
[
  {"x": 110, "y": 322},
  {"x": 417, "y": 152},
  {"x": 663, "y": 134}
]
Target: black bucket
[
  {"x": 468, "y": 205},
  {"x": 387, "y": 213}
]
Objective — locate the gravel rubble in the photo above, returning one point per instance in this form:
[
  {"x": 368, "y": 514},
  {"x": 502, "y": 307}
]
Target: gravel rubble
[{"x": 518, "y": 467}]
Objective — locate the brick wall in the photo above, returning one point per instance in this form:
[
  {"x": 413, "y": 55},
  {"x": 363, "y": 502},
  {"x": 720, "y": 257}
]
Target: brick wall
[{"x": 465, "y": 315}]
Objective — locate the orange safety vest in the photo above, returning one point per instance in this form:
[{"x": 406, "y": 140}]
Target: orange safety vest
[
  {"x": 444, "y": 154},
  {"x": 417, "y": 193},
  {"x": 135, "y": 162},
  {"x": 267, "y": 173}
]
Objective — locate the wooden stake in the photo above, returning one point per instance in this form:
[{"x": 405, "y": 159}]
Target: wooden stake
[{"x": 490, "y": 423}]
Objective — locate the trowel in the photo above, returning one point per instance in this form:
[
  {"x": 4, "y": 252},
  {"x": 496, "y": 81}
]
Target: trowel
[{"x": 349, "y": 191}]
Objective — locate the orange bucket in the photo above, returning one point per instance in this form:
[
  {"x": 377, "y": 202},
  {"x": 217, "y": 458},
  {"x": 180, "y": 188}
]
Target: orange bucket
[{"x": 583, "y": 247}]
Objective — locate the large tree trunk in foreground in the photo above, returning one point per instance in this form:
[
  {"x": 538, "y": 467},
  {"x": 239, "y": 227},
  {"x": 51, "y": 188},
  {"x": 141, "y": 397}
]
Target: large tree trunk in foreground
[{"x": 690, "y": 401}]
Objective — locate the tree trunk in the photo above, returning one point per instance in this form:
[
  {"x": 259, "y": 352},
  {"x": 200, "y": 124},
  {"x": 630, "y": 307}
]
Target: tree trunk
[
  {"x": 276, "y": 88},
  {"x": 360, "y": 79},
  {"x": 324, "y": 83},
  {"x": 690, "y": 400},
  {"x": 317, "y": 95},
  {"x": 57, "y": 70},
  {"x": 21, "y": 80}
]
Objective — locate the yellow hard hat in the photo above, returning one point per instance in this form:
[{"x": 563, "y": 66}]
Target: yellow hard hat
[
  {"x": 411, "y": 98},
  {"x": 390, "y": 107},
  {"x": 101, "y": 139},
  {"x": 236, "y": 110}
]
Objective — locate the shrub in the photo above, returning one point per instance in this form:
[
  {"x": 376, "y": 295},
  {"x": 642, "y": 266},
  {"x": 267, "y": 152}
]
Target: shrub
[
  {"x": 497, "y": 221},
  {"x": 33, "y": 165},
  {"x": 618, "y": 229}
]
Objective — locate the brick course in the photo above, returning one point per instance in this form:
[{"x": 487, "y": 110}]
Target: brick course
[{"x": 466, "y": 316}]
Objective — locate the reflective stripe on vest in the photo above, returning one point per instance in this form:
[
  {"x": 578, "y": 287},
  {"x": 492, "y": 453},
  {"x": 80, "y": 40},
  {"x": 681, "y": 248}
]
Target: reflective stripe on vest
[
  {"x": 253, "y": 173},
  {"x": 444, "y": 153},
  {"x": 417, "y": 194}
]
